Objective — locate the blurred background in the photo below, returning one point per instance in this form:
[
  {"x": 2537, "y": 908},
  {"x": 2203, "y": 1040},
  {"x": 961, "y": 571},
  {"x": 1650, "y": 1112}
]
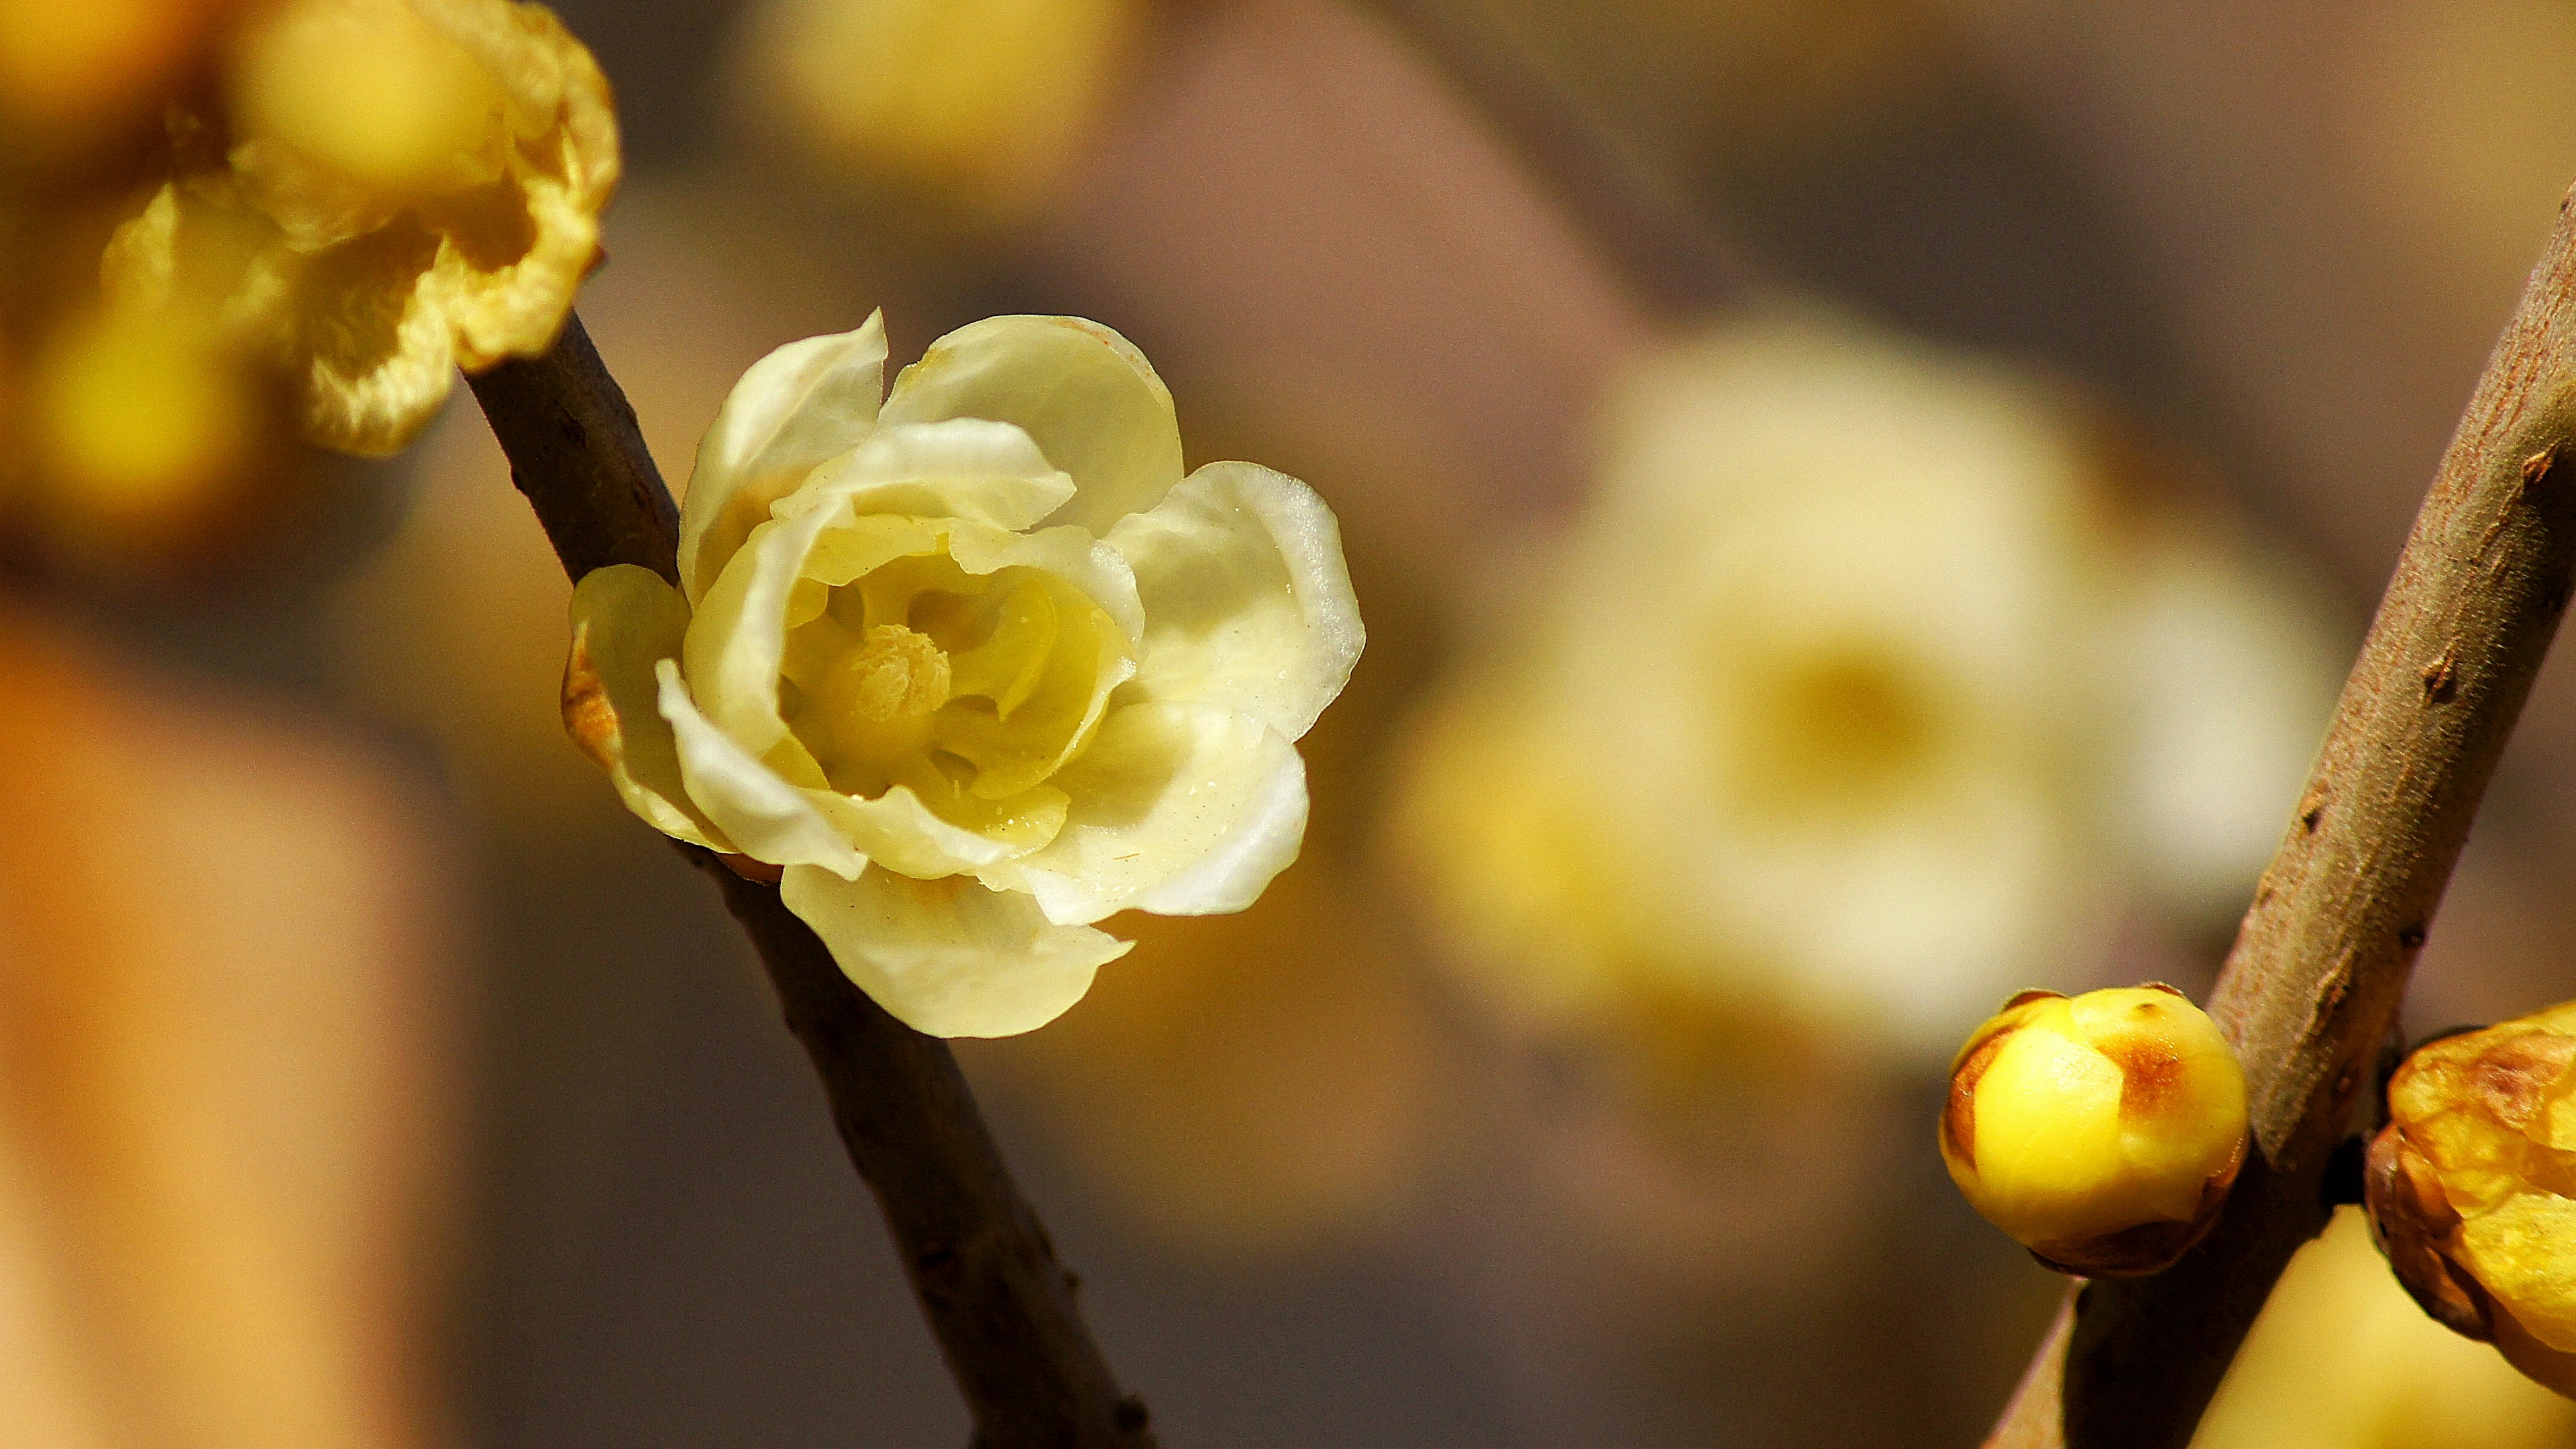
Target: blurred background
[{"x": 1861, "y": 506}]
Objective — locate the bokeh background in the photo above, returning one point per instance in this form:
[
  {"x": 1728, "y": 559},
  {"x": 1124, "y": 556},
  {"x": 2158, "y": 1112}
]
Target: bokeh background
[{"x": 1861, "y": 506}]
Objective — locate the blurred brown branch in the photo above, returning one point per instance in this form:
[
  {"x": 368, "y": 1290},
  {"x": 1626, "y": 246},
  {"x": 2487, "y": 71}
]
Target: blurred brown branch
[
  {"x": 979, "y": 1260},
  {"x": 1658, "y": 239},
  {"x": 2320, "y": 963}
]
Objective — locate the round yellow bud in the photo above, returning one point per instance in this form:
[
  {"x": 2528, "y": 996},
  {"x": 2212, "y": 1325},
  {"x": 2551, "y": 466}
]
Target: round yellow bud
[
  {"x": 2472, "y": 1188},
  {"x": 2101, "y": 1131}
]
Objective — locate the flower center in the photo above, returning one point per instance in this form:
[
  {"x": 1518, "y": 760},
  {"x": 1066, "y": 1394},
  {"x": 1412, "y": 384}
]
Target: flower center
[{"x": 897, "y": 674}]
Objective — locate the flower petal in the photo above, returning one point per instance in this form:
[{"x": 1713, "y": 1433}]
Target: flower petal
[
  {"x": 1248, "y": 603},
  {"x": 987, "y": 472},
  {"x": 766, "y": 817},
  {"x": 899, "y": 833},
  {"x": 625, "y": 620},
  {"x": 1184, "y": 810},
  {"x": 949, "y": 957},
  {"x": 1089, "y": 398},
  {"x": 796, "y": 407}
]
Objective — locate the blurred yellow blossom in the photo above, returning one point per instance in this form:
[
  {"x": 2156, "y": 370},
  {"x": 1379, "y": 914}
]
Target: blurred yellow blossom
[
  {"x": 976, "y": 666},
  {"x": 977, "y": 102},
  {"x": 2341, "y": 1360},
  {"x": 2471, "y": 1187},
  {"x": 393, "y": 189},
  {"x": 2101, "y": 1132},
  {"x": 1813, "y": 713},
  {"x": 1792, "y": 720},
  {"x": 137, "y": 424}
]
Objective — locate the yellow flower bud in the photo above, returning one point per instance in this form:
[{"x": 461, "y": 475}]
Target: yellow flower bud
[
  {"x": 2101, "y": 1131},
  {"x": 2472, "y": 1188}
]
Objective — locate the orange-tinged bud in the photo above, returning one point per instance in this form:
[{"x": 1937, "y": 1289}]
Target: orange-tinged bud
[
  {"x": 2472, "y": 1188},
  {"x": 2102, "y": 1131}
]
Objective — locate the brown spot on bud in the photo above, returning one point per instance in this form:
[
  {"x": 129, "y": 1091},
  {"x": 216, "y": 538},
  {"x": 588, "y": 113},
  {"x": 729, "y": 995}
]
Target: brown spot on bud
[
  {"x": 2150, "y": 1072},
  {"x": 587, "y": 714},
  {"x": 2512, "y": 1078},
  {"x": 1959, "y": 1113}
]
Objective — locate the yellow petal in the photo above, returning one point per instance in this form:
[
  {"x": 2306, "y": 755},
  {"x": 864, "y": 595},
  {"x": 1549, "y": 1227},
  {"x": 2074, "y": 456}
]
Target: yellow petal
[
  {"x": 989, "y": 473},
  {"x": 378, "y": 353},
  {"x": 897, "y": 832},
  {"x": 1090, "y": 400},
  {"x": 767, "y": 817},
  {"x": 796, "y": 407},
  {"x": 1248, "y": 604},
  {"x": 625, "y": 620},
  {"x": 1179, "y": 809},
  {"x": 949, "y": 957},
  {"x": 2524, "y": 1253}
]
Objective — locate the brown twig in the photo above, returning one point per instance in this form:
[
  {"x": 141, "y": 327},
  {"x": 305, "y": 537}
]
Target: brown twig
[
  {"x": 1660, "y": 242},
  {"x": 2321, "y": 961},
  {"x": 979, "y": 1261}
]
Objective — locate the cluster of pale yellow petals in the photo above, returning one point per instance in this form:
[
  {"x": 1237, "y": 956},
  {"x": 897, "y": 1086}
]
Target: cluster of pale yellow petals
[
  {"x": 972, "y": 663},
  {"x": 392, "y": 189},
  {"x": 2472, "y": 1187}
]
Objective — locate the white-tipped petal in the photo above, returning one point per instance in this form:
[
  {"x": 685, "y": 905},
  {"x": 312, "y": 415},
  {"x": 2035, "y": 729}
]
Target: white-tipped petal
[
  {"x": 1248, "y": 604},
  {"x": 625, "y": 620},
  {"x": 1179, "y": 809},
  {"x": 1088, "y": 398},
  {"x": 766, "y": 817},
  {"x": 949, "y": 957},
  {"x": 985, "y": 472},
  {"x": 801, "y": 404}
]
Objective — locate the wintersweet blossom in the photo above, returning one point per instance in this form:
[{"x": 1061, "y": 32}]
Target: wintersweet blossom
[
  {"x": 390, "y": 190},
  {"x": 974, "y": 665},
  {"x": 1853, "y": 697},
  {"x": 1788, "y": 726}
]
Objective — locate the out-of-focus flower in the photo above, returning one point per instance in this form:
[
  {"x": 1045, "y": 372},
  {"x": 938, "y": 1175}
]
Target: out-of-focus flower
[
  {"x": 977, "y": 103},
  {"x": 2229, "y": 666},
  {"x": 2341, "y": 1360},
  {"x": 2101, "y": 1132},
  {"x": 2472, "y": 1187},
  {"x": 1793, "y": 720},
  {"x": 137, "y": 425},
  {"x": 1812, "y": 717},
  {"x": 394, "y": 189},
  {"x": 975, "y": 667}
]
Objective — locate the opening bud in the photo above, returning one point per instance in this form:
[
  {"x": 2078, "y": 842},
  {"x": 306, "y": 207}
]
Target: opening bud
[
  {"x": 2472, "y": 1188},
  {"x": 2101, "y": 1131}
]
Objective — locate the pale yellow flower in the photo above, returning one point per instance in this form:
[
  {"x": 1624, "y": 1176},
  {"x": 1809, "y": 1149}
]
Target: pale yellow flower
[
  {"x": 1853, "y": 695},
  {"x": 1791, "y": 723},
  {"x": 976, "y": 666},
  {"x": 393, "y": 190}
]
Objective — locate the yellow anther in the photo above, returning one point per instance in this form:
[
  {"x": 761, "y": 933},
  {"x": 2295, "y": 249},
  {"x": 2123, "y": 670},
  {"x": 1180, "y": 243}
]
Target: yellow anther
[{"x": 897, "y": 674}]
